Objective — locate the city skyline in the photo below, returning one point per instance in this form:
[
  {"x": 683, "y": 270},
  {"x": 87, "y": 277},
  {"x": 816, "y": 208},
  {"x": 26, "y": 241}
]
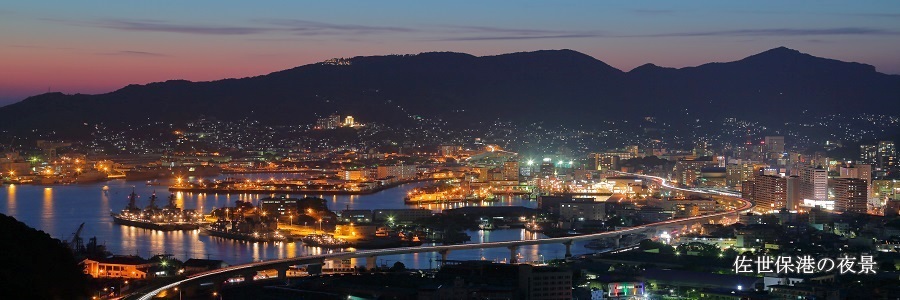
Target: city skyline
[
  {"x": 79, "y": 49},
  {"x": 462, "y": 150}
]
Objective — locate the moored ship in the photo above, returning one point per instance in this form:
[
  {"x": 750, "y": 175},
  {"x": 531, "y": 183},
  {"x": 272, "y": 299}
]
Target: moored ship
[
  {"x": 167, "y": 218},
  {"x": 329, "y": 241},
  {"x": 245, "y": 222}
]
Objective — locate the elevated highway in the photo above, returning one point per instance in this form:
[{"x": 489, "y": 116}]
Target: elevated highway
[{"x": 215, "y": 278}]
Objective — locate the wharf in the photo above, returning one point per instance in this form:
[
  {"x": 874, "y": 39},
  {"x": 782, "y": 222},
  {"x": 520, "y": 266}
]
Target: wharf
[{"x": 227, "y": 190}]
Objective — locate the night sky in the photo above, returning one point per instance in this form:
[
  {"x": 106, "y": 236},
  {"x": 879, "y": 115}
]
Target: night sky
[{"x": 100, "y": 46}]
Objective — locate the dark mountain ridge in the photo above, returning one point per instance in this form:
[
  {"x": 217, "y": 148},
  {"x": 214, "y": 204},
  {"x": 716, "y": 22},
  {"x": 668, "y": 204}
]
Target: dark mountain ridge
[{"x": 560, "y": 86}]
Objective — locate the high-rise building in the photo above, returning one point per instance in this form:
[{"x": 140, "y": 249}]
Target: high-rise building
[
  {"x": 769, "y": 193},
  {"x": 634, "y": 150},
  {"x": 747, "y": 190},
  {"x": 774, "y": 144},
  {"x": 813, "y": 183},
  {"x": 886, "y": 188},
  {"x": 330, "y": 122},
  {"x": 701, "y": 148},
  {"x": 510, "y": 170},
  {"x": 887, "y": 155},
  {"x": 688, "y": 170},
  {"x": 605, "y": 161},
  {"x": 868, "y": 154},
  {"x": 850, "y": 195},
  {"x": 860, "y": 171},
  {"x": 737, "y": 173},
  {"x": 793, "y": 193},
  {"x": 547, "y": 168}
]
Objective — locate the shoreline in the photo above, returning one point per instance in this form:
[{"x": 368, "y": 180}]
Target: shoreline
[{"x": 320, "y": 192}]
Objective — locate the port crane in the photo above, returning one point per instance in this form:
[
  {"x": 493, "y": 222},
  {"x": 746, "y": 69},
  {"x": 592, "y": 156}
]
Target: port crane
[{"x": 76, "y": 242}]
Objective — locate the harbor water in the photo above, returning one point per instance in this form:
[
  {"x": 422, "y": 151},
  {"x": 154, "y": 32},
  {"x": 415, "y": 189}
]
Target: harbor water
[{"x": 60, "y": 209}]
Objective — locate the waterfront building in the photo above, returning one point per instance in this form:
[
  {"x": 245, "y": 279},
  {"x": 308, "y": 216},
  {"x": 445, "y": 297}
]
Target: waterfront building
[
  {"x": 400, "y": 172},
  {"x": 359, "y": 216},
  {"x": 582, "y": 211},
  {"x": 128, "y": 267},
  {"x": 280, "y": 206},
  {"x": 552, "y": 204},
  {"x": 355, "y": 175},
  {"x": 400, "y": 215}
]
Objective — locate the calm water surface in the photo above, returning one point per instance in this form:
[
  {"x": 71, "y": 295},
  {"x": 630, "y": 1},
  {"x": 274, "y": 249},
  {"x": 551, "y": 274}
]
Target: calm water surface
[{"x": 59, "y": 209}]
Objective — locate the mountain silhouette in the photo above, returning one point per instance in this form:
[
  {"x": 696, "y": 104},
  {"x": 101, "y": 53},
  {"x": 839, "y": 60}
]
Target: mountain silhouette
[{"x": 558, "y": 86}]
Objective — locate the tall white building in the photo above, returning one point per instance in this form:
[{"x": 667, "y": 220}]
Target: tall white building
[{"x": 813, "y": 183}]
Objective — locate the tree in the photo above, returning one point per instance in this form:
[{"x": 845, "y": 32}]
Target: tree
[{"x": 398, "y": 267}]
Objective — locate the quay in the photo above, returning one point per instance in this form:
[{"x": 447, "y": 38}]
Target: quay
[{"x": 229, "y": 190}]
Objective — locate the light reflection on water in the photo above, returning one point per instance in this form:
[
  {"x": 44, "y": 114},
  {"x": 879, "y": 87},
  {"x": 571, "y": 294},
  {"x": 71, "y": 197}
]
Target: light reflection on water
[{"x": 59, "y": 209}]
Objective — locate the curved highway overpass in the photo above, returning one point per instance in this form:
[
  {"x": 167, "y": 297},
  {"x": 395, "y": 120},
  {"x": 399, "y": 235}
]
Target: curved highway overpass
[{"x": 218, "y": 276}]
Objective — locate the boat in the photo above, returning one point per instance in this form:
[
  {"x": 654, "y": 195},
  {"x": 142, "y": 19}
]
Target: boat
[
  {"x": 245, "y": 223},
  {"x": 226, "y": 229},
  {"x": 168, "y": 218},
  {"x": 382, "y": 232},
  {"x": 324, "y": 241},
  {"x": 330, "y": 242},
  {"x": 486, "y": 225},
  {"x": 532, "y": 226}
]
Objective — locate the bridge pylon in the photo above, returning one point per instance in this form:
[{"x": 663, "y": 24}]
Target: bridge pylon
[
  {"x": 444, "y": 254},
  {"x": 370, "y": 263}
]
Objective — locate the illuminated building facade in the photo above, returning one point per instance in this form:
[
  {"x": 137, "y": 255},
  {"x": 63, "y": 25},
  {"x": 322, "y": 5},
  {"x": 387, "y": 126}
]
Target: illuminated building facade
[
  {"x": 769, "y": 193},
  {"x": 813, "y": 183},
  {"x": 850, "y": 195}
]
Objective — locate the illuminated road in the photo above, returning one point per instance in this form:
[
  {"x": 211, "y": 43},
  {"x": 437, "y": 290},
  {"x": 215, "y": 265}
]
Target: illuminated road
[{"x": 244, "y": 269}]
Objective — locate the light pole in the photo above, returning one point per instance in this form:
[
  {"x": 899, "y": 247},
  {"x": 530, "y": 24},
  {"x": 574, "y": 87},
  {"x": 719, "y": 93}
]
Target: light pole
[
  {"x": 320, "y": 226},
  {"x": 292, "y": 220},
  {"x": 179, "y": 293}
]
